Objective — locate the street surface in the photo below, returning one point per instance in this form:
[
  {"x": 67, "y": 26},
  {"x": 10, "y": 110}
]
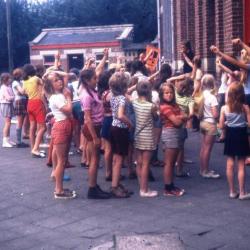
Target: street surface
[{"x": 204, "y": 218}]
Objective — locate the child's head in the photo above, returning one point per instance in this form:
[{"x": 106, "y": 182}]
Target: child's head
[
  {"x": 17, "y": 74},
  {"x": 197, "y": 62},
  {"x": 29, "y": 71},
  {"x": 167, "y": 93},
  {"x": 53, "y": 83},
  {"x": 208, "y": 82},
  {"x": 244, "y": 56},
  {"x": 88, "y": 78},
  {"x": 185, "y": 87},
  {"x": 5, "y": 78},
  {"x": 165, "y": 72},
  {"x": 138, "y": 66},
  {"x": 235, "y": 97},
  {"x": 40, "y": 70},
  {"x": 144, "y": 88},
  {"x": 118, "y": 83}
]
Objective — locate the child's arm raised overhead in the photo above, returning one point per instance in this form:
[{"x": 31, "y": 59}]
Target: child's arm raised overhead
[
  {"x": 100, "y": 67},
  {"x": 223, "y": 67},
  {"x": 228, "y": 58},
  {"x": 238, "y": 41}
]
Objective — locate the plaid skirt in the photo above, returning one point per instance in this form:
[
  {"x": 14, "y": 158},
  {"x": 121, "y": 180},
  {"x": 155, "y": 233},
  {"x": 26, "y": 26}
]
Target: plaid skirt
[
  {"x": 7, "y": 110},
  {"x": 20, "y": 107}
]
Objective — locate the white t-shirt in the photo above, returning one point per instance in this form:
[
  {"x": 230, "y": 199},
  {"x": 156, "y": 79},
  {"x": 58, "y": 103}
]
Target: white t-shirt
[
  {"x": 155, "y": 97},
  {"x": 223, "y": 86},
  {"x": 15, "y": 85},
  {"x": 209, "y": 101},
  {"x": 75, "y": 91},
  {"x": 56, "y": 102}
]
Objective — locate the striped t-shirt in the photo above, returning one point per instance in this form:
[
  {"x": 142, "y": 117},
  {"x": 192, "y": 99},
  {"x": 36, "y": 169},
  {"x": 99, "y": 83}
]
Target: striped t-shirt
[{"x": 144, "y": 129}]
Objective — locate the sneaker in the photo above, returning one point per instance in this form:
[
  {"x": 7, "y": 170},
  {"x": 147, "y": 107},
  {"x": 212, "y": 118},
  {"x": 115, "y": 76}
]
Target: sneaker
[
  {"x": 210, "y": 175},
  {"x": 96, "y": 193},
  {"x": 6, "y": 144},
  {"x": 174, "y": 192},
  {"x": 148, "y": 194},
  {"x": 245, "y": 196},
  {"x": 22, "y": 145},
  {"x": 118, "y": 192},
  {"x": 65, "y": 195},
  {"x": 233, "y": 195},
  {"x": 102, "y": 191}
]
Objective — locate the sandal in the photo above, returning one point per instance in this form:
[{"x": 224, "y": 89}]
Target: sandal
[
  {"x": 65, "y": 195},
  {"x": 118, "y": 192},
  {"x": 40, "y": 155}
]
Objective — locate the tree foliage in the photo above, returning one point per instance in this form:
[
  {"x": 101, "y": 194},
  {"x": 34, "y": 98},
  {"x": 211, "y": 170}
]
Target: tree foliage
[{"x": 28, "y": 18}]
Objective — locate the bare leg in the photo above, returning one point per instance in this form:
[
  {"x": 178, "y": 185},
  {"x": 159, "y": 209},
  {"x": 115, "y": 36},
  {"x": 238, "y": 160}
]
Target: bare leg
[
  {"x": 32, "y": 134},
  {"x": 241, "y": 174},
  {"x": 94, "y": 160},
  {"x": 138, "y": 165},
  {"x": 170, "y": 157},
  {"x": 40, "y": 132},
  {"x": 116, "y": 171},
  {"x": 6, "y": 128},
  {"x": 60, "y": 151},
  {"x": 107, "y": 158},
  {"x": 206, "y": 148},
  {"x": 146, "y": 156},
  {"x": 230, "y": 174}
]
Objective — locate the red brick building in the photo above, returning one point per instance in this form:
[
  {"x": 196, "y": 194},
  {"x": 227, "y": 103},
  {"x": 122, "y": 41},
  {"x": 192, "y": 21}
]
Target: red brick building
[{"x": 203, "y": 22}]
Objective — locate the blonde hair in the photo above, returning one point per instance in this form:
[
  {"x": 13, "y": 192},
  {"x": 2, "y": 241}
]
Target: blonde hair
[
  {"x": 118, "y": 83},
  {"x": 208, "y": 82}
]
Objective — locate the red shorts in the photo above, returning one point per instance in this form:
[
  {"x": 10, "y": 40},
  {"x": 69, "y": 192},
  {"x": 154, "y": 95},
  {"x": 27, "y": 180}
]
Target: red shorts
[
  {"x": 87, "y": 133},
  {"x": 61, "y": 132},
  {"x": 36, "y": 111}
]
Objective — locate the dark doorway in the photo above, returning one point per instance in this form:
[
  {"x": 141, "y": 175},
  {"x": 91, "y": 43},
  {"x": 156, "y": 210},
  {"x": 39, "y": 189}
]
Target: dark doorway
[{"x": 75, "y": 61}]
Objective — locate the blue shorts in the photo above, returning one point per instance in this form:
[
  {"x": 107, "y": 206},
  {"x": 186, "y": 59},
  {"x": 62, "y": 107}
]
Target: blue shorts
[
  {"x": 77, "y": 112},
  {"x": 106, "y": 126}
]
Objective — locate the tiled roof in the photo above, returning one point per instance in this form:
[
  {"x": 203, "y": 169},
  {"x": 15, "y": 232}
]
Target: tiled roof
[{"x": 84, "y": 34}]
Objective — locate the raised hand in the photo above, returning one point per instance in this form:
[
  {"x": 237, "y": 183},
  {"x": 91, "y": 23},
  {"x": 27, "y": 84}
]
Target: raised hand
[
  {"x": 236, "y": 41},
  {"x": 214, "y": 49}
]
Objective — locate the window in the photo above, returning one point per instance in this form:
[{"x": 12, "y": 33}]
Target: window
[{"x": 48, "y": 60}]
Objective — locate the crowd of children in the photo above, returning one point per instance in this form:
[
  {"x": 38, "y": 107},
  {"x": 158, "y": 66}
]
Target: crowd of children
[{"x": 126, "y": 112}]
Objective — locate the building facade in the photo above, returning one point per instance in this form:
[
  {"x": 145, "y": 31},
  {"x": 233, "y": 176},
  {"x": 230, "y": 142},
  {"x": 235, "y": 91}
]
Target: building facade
[
  {"x": 203, "y": 22},
  {"x": 78, "y": 44}
]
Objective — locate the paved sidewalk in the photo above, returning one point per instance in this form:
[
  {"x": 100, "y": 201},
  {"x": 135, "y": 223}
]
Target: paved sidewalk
[{"x": 30, "y": 218}]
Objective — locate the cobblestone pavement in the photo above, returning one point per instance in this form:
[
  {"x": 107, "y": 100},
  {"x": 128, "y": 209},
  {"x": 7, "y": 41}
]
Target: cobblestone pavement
[{"x": 30, "y": 218}]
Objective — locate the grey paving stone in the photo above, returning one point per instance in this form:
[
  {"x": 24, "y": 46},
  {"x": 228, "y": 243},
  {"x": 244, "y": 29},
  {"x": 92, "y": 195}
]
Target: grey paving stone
[
  {"x": 55, "y": 221},
  {"x": 7, "y": 235},
  {"x": 149, "y": 242}
]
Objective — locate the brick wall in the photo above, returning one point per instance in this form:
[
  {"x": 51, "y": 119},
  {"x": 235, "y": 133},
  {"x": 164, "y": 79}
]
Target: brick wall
[{"x": 207, "y": 22}]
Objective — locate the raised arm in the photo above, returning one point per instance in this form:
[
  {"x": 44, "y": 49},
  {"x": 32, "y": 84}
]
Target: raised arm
[
  {"x": 186, "y": 58},
  {"x": 228, "y": 58},
  {"x": 100, "y": 67},
  {"x": 238, "y": 41},
  {"x": 223, "y": 67}
]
